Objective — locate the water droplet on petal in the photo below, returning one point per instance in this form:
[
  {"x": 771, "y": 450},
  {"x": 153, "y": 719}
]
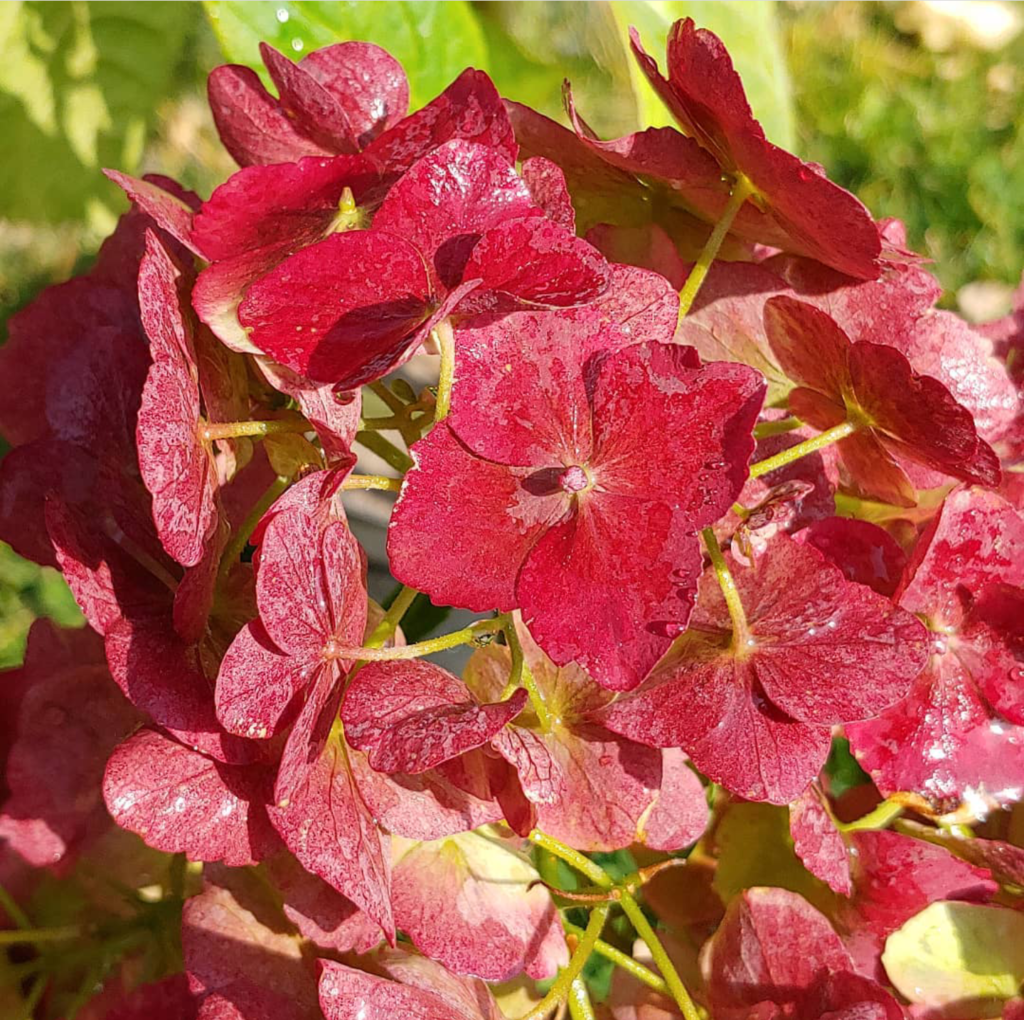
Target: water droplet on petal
[
  {"x": 282, "y": 15},
  {"x": 297, "y": 45}
]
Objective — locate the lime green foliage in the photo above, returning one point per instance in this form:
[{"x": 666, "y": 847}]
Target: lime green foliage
[
  {"x": 433, "y": 41},
  {"x": 750, "y": 33},
  {"x": 28, "y": 591},
  {"x": 960, "y": 955},
  {"x": 933, "y": 138},
  {"x": 79, "y": 87}
]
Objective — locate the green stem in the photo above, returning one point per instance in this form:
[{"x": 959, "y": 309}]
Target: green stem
[
  {"x": 34, "y": 936},
  {"x": 13, "y": 911},
  {"x": 580, "y": 1006},
  {"x": 438, "y": 644},
  {"x": 34, "y": 997},
  {"x": 445, "y": 336},
  {"x": 380, "y": 482},
  {"x": 740, "y": 631},
  {"x": 522, "y": 676},
  {"x": 620, "y": 959},
  {"x": 392, "y": 618},
  {"x": 387, "y": 451},
  {"x": 236, "y": 429},
  {"x": 241, "y": 537},
  {"x": 560, "y": 990},
  {"x": 880, "y": 818},
  {"x": 776, "y": 428},
  {"x": 572, "y": 857},
  {"x": 380, "y": 388},
  {"x": 794, "y": 453},
  {"x": 661, "y": 958},
  {"x": 741, "y": 191}
]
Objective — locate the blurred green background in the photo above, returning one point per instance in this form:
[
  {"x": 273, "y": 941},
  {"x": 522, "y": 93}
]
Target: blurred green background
[{"x": 915, "y": 106}]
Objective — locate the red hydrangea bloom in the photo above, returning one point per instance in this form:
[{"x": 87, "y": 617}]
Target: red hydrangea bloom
[
  {"x": 459, "y": 232},
  {"x": 863, "y": 551},
  {"x": 335, "y": 100},
  {"x": 588, "y": 787},
  {"x": 543, "y": 470},
  {"x": 70, "y": 718},
  {"x": 957, "y": 737},
  {"x": 820, "y": 650},
  {"x": 796, "y": 207},
  {"x": 263, "y": 214},
  {"x": 775, "y": 956},
  {"x": 898, "y": 412}
]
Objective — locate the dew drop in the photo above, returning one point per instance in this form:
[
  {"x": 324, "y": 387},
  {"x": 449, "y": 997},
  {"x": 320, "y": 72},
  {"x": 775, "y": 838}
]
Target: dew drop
[
  {"x": 282, "y": 15},
  {"x": 1017, "y": 674},
  {"x": 297, "y": 45}
]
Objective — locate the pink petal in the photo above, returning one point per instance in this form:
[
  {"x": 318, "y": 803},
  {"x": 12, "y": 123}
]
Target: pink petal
[
  {"x": 412, "y": 716},
  {"x": 455, "y": 797},
  {"x": 322, "y": 915},
  {"x": 257, "y": 684},
  {"x": 328, "y": 827},
  {"x": 240, "y": 955},
  {"x": 817, "y": 841},
  {"x": 499, "y": 926},
  {"x": 680, "y": 813},
  {"x": 310, "y": 585},
  {"x": 180, "y": 801}
]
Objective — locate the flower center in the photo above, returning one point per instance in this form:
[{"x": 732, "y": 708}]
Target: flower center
[{"x": 574, "y": 479}]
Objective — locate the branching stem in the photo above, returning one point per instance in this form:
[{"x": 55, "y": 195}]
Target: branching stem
[
  {"x": 794, "y": 453},
  {"x": 445, "y": 337},
  {"x": 740, "y": 631}
]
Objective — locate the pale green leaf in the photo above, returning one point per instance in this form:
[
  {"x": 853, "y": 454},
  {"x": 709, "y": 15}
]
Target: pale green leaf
[
  {"x": 961, "y": 955},
  {"x": 750, "y": 33},
  {"x": 434, "y": 41},
  {"x": 80, "y": 84}
]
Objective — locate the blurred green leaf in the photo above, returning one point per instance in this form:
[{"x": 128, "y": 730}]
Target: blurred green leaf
[
  {"x": 26, "y": 592},
  {"x": 79, "y": 88},
  {"x": 750, "y": 33},
  {"x": 434, "y": 41}
]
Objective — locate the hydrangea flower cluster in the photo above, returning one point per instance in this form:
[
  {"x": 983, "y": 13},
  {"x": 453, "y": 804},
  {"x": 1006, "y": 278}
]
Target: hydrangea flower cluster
[{"x": 724, "y": 488}]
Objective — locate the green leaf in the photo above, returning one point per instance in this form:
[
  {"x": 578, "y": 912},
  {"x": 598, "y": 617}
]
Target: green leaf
[
  {"x": 434, "y": 41},
  {"x": 750, "y": 33},
  {"x": 80, "y": 84},
  {"x": 958, "y": 954}
]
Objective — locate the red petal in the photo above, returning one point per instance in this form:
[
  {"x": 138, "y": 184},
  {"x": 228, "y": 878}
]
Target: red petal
[
  {"x": 451, "y": 494},
  {"x": 448, "y": 199},
  {"x": 469, "y": 108},
  {"x": 251, "y": 123},
  {"x": 344, "y": 310},
  {"x": 538, "y": 263},
  {"x": 863, "y": 551},
  {"x": 412, "y": 716},
  {"x": 549, "y": 192},
  {"x": 180, "y": 801},
  {"x": 772, "y": 946}
]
